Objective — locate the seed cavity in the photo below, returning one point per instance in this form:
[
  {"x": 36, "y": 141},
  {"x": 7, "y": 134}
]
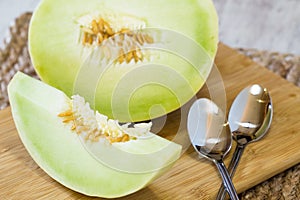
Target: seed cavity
[
  {"x": 94, "y": 126},
  {"x": 99, "y": 32}
]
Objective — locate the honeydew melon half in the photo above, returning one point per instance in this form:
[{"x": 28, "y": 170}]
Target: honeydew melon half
[
  {"x": 62, "y": 155},
  {"x": 132, "y": 60}
]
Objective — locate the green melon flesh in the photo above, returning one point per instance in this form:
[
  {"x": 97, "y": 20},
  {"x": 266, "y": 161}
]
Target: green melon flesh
[
  {"x": 60, "y": 153},
  {"x": 130, "y": 92}
]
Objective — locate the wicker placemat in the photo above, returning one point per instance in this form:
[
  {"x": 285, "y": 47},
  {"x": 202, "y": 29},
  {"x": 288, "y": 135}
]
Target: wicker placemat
[{"x": 14, "y": 57}]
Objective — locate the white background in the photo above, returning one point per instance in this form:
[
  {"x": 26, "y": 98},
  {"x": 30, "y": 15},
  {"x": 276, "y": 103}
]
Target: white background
[{"x": 9, "y": 10}]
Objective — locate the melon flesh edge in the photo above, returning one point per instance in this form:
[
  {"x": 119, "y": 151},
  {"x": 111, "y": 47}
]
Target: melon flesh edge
[{"x": 58, "y": 150}]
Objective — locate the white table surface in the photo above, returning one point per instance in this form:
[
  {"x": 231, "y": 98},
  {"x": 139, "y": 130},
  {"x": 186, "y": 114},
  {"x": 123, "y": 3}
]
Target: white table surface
[{"x": 269, "y": 25}]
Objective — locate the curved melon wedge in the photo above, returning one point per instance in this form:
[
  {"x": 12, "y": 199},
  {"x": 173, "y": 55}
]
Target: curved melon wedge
[{"x": 59, "y": 151}]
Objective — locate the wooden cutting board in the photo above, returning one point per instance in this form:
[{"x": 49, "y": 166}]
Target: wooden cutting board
[{"x": 191, "y": 177}]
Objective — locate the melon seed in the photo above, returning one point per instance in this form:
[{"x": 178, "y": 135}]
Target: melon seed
[
  {"x": 83, "y": 119},
  {"x": 100, "y": 30}
]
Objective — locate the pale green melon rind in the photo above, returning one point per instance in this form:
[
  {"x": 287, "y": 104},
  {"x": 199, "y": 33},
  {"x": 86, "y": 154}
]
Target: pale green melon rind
[
  {"x": 57, "y": 56},
  {"x": 58, "y": 151}
]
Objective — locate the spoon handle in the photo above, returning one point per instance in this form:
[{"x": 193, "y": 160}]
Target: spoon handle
[
  {"x": 231, "y": 168},
  {"x": 227, "y": 182}
]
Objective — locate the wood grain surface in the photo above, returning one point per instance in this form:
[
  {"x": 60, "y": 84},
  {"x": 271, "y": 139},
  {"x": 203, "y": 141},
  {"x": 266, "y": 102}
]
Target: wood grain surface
[{"x": 191, "y": 177}]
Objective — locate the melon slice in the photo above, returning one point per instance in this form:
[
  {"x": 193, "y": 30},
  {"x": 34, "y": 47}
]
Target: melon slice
[
  {"x": 132, "y": 60},
  {"x": 65, "y": 156}
]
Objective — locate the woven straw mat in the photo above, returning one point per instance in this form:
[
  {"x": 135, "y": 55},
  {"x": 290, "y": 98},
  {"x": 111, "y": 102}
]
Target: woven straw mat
[{"x": 14, "y": 57}]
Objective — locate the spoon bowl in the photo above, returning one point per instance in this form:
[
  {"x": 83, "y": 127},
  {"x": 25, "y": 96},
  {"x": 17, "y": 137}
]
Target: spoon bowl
[
  {"x": 211, "y": 137},
  {"x": 251, "y": 114}
]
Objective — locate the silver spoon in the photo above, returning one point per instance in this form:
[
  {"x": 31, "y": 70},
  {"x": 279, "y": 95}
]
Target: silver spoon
[
  {"x": 210, "y": 137},
  {"x": 250, "y": 117}
]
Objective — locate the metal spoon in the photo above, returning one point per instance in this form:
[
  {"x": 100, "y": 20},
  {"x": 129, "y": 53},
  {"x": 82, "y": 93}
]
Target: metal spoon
[
  {"x": 250, "y": 117},
  {"x": 210, "y": 137}
]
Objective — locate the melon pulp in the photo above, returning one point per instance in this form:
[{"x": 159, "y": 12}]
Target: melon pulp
[
  {"x": 148, "y": 75},
  {"x": 60, "y": 152}
]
